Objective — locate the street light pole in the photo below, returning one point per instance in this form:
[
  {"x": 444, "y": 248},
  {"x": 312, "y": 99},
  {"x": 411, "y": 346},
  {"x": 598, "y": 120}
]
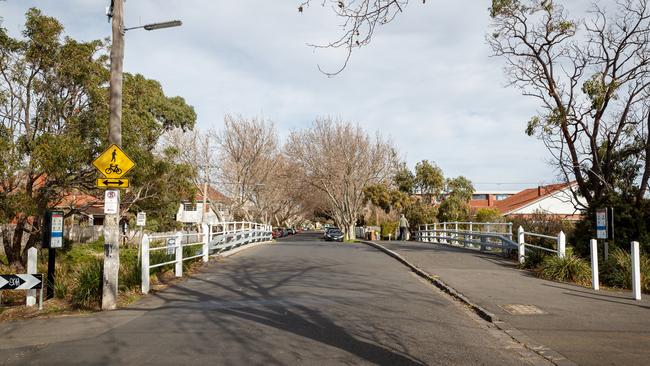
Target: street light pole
[{"x": 112, "y": 221}]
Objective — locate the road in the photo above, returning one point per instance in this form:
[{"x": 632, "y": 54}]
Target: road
[{"x": 299, "y": 302}]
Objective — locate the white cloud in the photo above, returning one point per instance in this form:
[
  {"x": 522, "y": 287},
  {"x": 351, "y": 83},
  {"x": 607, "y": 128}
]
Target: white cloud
[{"x": 426, "y": 80}]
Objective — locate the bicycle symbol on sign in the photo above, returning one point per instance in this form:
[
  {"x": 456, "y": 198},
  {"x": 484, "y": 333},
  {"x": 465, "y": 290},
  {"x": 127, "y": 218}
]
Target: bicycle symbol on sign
[{"x": 113, "y": 168}]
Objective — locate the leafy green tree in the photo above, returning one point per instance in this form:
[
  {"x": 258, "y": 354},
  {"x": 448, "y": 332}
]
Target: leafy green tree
[
  {"x": 429, "y": 179},
  {"x": 455, "y": 206},
  {"x": 404, "y": 179},
  {"x": 49, "y": 88},
  {"x": 53, "y": 121},
  {"x": 486, "y": 214}
]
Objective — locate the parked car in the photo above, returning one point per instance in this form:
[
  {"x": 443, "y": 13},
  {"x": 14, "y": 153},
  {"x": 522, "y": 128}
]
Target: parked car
[
  {"x": 276, "y": 233},
  {"x": 333, "y": 234},
  {"x": 291, "y": 230}
]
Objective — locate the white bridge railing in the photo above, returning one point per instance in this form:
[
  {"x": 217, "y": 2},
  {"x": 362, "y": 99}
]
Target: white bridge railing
[
  {"x": 484, "y": 235},
  {"x": 213, "y": 239},
  {"x": 487, "y": 236}
]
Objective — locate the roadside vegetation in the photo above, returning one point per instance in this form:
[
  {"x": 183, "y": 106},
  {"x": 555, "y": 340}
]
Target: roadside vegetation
[{"x": 78, "y": 283}]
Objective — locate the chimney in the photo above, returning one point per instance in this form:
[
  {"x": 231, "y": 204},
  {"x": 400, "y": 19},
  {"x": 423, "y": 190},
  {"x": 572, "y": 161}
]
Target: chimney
[
  {"x": 489, "y": 197},
  {"x": 539, "y": 191}
]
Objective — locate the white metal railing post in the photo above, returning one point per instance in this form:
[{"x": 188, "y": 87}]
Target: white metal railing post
[
  {"x": 636, "y": 270},
  {"x": 32, "y": 254},
  {"x": 561, "y": 244},
  {"x": 144, "y": 247},
  {"x": 593, "y": 248},
  {"x": 206, "y": 242},
  {"x": 444, "y": 229},
  {"x": 456, "y": 231},
  {"x": 426, "y": 234},
  {"x": 520, "y": 242},
  {"x": 179, "y": 254}
]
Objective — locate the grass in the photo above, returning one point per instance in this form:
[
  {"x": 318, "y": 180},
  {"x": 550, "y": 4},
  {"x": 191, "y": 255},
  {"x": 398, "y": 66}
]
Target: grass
[
  {"x": 617, "y": 270},
  {"x": 78, "y": 282},
  {"x": 571, "y": 268}
]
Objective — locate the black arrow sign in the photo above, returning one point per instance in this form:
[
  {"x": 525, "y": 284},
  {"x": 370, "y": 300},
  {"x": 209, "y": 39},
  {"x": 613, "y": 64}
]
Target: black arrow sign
[
  {"x": 113, "y": 182},
  {"x": 21, "y": 281}
]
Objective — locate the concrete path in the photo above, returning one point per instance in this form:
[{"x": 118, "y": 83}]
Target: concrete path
[
  {"x": 588, "y": 327},
  {"x": 299, "y": 302}
]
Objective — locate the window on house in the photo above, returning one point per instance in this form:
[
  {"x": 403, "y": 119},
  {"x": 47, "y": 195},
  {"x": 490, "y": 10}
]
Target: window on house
[
  {"x": 189, "y": 206},
  {"x": 479, "y": 196},
  {"x": 500, "y": 197}
]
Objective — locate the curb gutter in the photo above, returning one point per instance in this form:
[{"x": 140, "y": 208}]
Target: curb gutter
[{"x": 553, "y": 356}]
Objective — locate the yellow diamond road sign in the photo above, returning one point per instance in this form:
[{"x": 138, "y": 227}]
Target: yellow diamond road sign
[{"x": 113, "y": 162}]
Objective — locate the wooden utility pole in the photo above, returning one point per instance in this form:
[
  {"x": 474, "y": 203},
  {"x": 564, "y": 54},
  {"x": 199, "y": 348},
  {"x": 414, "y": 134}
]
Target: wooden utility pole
[
  {"x": 112, "y": 221},
  {"x": 205, "y": 180}
]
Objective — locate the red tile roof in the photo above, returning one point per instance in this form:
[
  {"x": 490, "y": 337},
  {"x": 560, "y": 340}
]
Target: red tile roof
[
  {"x": 528, "y": 196},
  {"x": 213, "y": 195}
]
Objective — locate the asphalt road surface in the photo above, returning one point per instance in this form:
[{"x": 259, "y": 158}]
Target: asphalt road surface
[{"x": 302, "y": 301}]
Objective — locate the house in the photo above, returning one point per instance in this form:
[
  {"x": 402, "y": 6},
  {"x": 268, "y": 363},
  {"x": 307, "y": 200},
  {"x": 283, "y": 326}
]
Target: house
[
  {"x": 554, "y": 199},
  {"x": 190, "y": 212},
  {"x": 481, "y": 199}
]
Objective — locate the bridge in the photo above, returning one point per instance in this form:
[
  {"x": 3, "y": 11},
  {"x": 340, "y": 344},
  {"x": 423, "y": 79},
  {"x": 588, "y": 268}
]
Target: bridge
[{"x": 302, "y": 300}]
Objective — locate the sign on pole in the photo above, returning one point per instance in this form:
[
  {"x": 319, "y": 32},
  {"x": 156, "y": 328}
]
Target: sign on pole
[
  {"x": 111, "y": 202},
  {"x": 171, "y": 246},
  {"x": 113, "y": 162},
  {"x": 21, "y": 281},
  {"x": 141, "y": 219},
  {"x": 605, "y": 223},
  {"x": 112, "y": 183},
  {"x": 601, "y": 223}
]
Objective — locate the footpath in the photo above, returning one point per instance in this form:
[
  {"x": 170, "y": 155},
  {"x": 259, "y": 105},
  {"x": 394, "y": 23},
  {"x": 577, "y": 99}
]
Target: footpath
[{"x": 567, "y": 323}]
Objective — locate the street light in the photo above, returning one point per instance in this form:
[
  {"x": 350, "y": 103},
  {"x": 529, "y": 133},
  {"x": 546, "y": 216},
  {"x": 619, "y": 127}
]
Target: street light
[
  {"x": 155, "y": 26},
  {"x": 111, "y": 221}
]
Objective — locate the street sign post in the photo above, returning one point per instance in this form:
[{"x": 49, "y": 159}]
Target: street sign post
[
  {"x": 113, "y": 162},
  {"x": 141, "y": 219},
  {"x": 605, "y": 227},
  {"x": 23, "y": 282},
  {"x": 111, "y": 202},
  {"x": 112, "y": 183},
  {"x": 52, "y": 239}
]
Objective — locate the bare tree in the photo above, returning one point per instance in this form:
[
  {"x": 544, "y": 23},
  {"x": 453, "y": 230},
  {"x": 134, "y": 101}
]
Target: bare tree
[
  {"x": 247, "y": 151},
  {"x": 341, "y": 159},
  {"x": 360, "y": 18},
  {"x": 592, "y": 79}
]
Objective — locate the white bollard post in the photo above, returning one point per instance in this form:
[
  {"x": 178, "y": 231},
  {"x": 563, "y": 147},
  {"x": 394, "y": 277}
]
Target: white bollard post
[
  {"x": 32, "y": 256},
  {"x": 561, "y": 244},
  {"x": 179, "y": 254},
  {"x": 593, "y": 248},
  {"x": 145, "y": 264},
  {"x": 636, "y": 271},
  {"x": 522, "y": 247},
  {"x": 206, "y": 242}
]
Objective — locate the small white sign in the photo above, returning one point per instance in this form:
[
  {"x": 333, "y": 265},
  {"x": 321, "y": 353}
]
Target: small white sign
[
  {"x": 171, "y": 246},
  {"x": 111, "y": 202},
  {"x": 141, "y": 219},
  {"x": 601, "y": 223},
  {"x": 56, "y": 235}
]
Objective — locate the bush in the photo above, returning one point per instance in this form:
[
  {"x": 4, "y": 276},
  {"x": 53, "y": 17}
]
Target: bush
[
  {"x": 88, "y": 287},
  {"x": 534, "y": 258},
  {"x": 568, "y": 269},
  {"x": 389, "y": 228},
  {"x": 617, "y": 270}
]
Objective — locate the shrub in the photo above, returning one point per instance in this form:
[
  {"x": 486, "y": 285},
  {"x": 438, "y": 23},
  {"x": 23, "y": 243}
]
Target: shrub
[
  {"x": 389, "y": 228},
  {"x": 617, "y": 270},
  {"x": 88, "y": 289},
  {"x": 568, "y": 269},
  {"x": 534, "y": 258}
]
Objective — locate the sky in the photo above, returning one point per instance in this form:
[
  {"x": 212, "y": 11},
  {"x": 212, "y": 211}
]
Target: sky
[{"x": 427, "y": 80}]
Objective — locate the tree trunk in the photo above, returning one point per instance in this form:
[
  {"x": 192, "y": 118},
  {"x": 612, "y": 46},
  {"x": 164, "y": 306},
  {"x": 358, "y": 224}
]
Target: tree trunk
[
  {"x": 14, "y": 252},
  {"x": 351, "y": 235}
]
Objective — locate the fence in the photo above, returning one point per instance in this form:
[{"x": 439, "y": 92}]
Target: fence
[
  {"x": 560, "y": 241},
  {"x": 484, "y": 235},
  {"x": 213, "y": 239}
]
